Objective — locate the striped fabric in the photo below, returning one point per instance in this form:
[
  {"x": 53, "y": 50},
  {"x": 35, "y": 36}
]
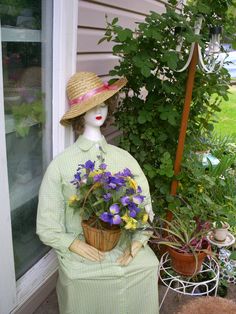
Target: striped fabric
[{"x": 94, "y": 287}]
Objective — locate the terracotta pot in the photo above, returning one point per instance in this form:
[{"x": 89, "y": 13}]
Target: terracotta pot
[
  {"x": 104, "y": 239},
  {"x": 220, "y": 234},
  {"x": 185, "y": 263}
]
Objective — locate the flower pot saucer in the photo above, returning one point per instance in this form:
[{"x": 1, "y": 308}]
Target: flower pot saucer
[{"x": 230, "y": 239}]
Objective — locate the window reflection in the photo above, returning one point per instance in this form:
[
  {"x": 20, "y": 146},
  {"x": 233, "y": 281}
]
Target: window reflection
[{"x": 26, "y": 99}]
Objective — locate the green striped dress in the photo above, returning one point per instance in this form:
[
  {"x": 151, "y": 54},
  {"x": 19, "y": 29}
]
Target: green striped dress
[{"x": 86, "y": 287}]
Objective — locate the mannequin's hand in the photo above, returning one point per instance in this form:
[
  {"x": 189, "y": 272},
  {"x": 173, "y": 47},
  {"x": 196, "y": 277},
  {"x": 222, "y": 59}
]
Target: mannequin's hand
[
  {"x": 85, "y": 250},
  {"x": 129, "y": 253}
]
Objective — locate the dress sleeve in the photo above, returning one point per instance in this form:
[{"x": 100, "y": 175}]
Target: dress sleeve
[{"x": 51, "y": 212}]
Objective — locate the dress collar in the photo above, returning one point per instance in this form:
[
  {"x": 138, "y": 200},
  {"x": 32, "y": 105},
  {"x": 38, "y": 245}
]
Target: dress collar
[{"x": 86, "y": 144}]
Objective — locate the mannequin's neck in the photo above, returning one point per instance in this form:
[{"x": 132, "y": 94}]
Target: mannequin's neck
[{"x": 92, "y": 133}]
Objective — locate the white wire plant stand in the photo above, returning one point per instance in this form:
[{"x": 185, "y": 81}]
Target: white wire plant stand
[{"x": 193, "y": 286}]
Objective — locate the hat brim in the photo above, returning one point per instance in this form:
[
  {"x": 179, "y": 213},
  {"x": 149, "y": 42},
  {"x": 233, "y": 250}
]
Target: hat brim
[{"x": 93, "y": 101}]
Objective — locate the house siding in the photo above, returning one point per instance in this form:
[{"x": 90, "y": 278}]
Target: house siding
[{"x": 91, "y": 26}]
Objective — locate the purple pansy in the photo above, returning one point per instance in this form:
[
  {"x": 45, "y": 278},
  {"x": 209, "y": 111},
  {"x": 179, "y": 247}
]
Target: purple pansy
[
  {"x": 77, "y": 179},
  {"x": 114, "y": 209},
  {"x": 98, "y": 177},
  {"x": 138, "y": 199},
  {"x": 89, "y": 165},
  {"x": 139, "y": 190},
  {"x": 106, "y": 217},
  {"x": 107, "y": 174},
  {"x": 117, "y": 181},
  {"x": 125, "y": 200},
  {"x": 112, "y": 219},
  {"x": 133, "y": 209},
  {"x": 116, "y": 220},
  {"x": 107, "y": 197},
  {"x": 129, "y": 191},
  {"x": 127, "y": 173},
  {"x": 103, "y": 166},
  {"x": 132, "y": 213},
  {"x": 132, "y": 206},
  {"x": 112, "y": 185},
  {"x": 78, "y": 176}
]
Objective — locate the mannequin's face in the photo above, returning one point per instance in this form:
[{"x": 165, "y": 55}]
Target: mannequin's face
[{"x": 96, "y": 116}]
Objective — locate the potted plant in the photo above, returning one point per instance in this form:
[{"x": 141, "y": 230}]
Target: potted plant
[
  {"x": 108, "y": 203},
  {"x": 186, "y": 239},
  {"x": 221, "y": 231}
]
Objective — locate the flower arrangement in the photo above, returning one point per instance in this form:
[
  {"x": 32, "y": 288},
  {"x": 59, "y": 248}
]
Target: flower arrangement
[{"x": 114, "y": 199}]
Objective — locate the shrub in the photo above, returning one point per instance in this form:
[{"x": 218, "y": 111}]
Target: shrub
[{"x": 149, "y": 61}]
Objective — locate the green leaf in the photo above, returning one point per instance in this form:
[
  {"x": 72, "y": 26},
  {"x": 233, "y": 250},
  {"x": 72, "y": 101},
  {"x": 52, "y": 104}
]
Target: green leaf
[
  {"x": 142, "y": 119},
  {"x": 138, "y": 61},
  {"x": 142, "y": 26},
  {"x": 203, "y": 8},
  {"x": 171, "y": 58},
  {"x": 123, "y": 34},
  {"x": 233, "y": 255},
  {"x": 113, "y": 72},
  {"x": 146, "y": 71},
  {"x": 157, "y": 35},
  {"x": 117, "y": 48},
  {"x": 101, "y": 40},
  {"x": 114, "y": 21},
  {"x": 173, "y": 2},
  {"x": 163, "y": 137}
]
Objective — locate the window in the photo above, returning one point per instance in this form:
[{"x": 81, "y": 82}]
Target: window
[{"x": 26, "y": 34}]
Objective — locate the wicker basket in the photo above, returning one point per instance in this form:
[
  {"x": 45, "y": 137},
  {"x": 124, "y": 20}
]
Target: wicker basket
[{"x": 104, "y": 239}]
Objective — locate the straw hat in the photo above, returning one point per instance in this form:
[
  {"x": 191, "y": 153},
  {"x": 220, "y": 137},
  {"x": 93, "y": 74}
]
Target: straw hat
[{"x": 85, "y": 90}]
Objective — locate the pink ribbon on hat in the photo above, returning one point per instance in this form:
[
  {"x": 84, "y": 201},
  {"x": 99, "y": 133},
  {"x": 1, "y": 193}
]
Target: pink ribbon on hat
[{"x": 91, "y": 93}]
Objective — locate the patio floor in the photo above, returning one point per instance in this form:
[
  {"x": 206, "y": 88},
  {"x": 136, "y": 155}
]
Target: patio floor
[{"x": 171, "y": 305}]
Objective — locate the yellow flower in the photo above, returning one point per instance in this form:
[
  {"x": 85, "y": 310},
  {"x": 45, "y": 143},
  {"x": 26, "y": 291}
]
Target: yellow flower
[
  {"x": 200, "y": 188},
  {"x": 73, "y": 199},
  {"x": 94, "y": 173},
  {"x": 132, "y": 183},
  {"x": 145, "y": 218},
  {"x": 125, "y": 217},
  {"x": 131, "y": 224}
]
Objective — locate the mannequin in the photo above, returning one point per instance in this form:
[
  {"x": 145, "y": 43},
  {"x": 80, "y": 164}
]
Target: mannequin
[
  {"x": 94, "y": 119},
  {"x": 123, "y": 280}
]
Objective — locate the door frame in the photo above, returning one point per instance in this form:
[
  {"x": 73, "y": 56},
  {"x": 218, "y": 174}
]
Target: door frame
[{"x": 13, "y": 295}]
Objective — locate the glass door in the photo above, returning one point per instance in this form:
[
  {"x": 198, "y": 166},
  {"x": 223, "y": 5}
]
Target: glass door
[{"x": 26, "y": 38}]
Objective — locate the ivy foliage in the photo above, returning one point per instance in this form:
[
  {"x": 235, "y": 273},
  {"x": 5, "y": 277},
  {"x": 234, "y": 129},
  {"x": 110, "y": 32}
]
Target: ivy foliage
[{"x": 150, "y": 114}]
